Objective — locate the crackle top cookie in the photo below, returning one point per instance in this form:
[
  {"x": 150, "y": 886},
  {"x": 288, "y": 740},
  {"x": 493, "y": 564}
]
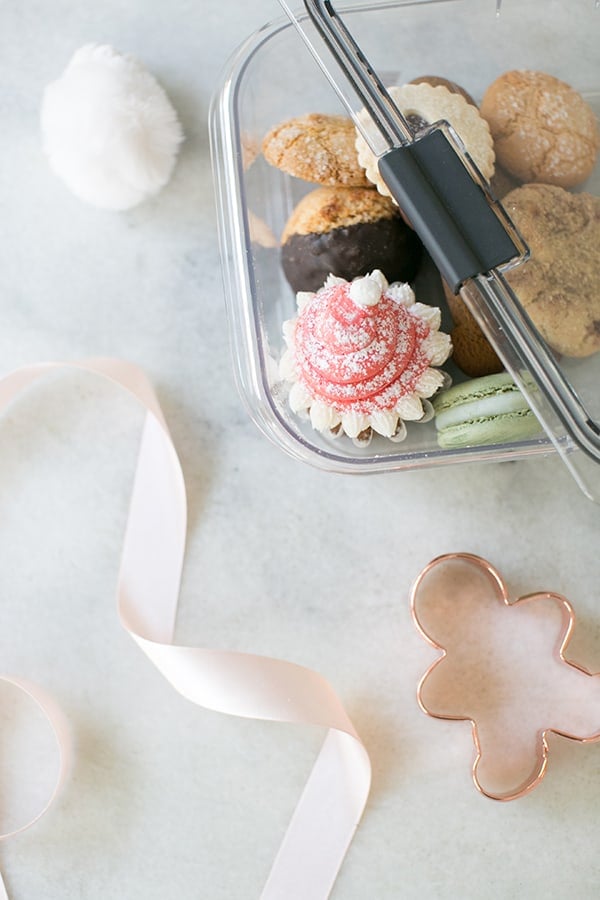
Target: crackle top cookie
[
  {"x": 318, "y": 148},
  {"x": 544, "y": 131}
]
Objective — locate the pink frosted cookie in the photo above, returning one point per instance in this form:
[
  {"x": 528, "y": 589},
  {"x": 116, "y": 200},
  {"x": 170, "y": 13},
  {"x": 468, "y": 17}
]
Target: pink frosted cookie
[{"x": 360, "y": 357}]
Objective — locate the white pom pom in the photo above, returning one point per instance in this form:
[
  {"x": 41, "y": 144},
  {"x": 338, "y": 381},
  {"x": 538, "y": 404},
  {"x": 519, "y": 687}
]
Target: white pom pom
[{"x": 109, "y": 130}]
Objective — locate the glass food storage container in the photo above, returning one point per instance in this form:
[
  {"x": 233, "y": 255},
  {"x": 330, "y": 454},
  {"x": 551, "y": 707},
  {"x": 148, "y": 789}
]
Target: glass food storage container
[{"x": 273, "y": 77}]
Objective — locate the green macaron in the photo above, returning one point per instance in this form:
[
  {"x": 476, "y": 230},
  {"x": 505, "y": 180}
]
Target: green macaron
[{"x": 488, "y": 410}]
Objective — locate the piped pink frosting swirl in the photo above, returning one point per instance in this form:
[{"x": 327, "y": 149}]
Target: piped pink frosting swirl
[
  {"x": 364, "y": 357},
  {"x": 361, "y": 357}
]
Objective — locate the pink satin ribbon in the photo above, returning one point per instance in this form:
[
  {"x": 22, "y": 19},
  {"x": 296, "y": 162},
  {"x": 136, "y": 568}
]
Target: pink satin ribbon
[
  {"x": 58, "y": 724},
  {"x": 240, "y": 684}
]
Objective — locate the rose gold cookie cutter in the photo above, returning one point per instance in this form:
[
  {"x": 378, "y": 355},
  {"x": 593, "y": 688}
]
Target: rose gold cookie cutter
[{"x": 567, "y": 625}]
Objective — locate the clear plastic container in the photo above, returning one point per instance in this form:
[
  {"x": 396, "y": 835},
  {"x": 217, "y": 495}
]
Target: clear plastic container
[{"x": 273, "y": 77}]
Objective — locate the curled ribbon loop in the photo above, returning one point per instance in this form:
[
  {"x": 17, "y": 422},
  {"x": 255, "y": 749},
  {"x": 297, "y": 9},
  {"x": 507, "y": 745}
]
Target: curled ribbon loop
[
  {"x": 240, "y": 684},
  {"x": 60, "y": 730}
]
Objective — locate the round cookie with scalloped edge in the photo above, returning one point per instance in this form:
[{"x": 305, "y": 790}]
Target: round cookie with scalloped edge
[{"x": 425, "y": 104}]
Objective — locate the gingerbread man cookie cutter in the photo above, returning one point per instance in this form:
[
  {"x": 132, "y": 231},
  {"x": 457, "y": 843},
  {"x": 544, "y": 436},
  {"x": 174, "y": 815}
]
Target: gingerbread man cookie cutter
[{"x": 502, "y": 666}]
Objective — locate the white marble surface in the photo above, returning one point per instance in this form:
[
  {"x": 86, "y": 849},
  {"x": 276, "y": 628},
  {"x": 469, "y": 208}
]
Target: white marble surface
[{"x": 167, "y": 800}]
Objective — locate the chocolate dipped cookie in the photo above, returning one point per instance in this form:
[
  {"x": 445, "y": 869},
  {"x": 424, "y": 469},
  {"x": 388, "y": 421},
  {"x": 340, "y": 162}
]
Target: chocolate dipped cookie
[{"x": 347, "y": 231}]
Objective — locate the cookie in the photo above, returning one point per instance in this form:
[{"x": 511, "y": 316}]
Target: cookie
[
  {"x": 316, "y": 147},
  {"x": 452, "y": 86},
  {"x": 543, "y": 130},
  {"x": 472, "y": 353},
  {"x": 260, "y": 233},
  {"x": 428, "y": 104},
  {"x": 250, "y": 147},
  {"x": 347, "y": 231},
  {"x": 502, "y": 182},
  {"x": 559, "y": 285},
  {"x": 490, "y": 410}
]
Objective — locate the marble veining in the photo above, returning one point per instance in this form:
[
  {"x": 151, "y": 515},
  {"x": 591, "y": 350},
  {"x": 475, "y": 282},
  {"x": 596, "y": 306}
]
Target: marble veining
[{"x": 166, "y": 800}]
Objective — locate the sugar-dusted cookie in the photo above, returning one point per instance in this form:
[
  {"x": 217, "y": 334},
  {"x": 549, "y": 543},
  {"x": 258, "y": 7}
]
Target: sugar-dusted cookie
[
  {"x": 347, "y": 231},
  {"x": 316, "y": 147},
  {"x": 543, "y": 129},
  {"x": 559, "y": 285}
]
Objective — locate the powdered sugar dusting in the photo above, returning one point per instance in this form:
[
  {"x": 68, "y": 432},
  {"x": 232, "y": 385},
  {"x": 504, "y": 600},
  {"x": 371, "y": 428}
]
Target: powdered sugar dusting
[{"x": 366, "y": 363}]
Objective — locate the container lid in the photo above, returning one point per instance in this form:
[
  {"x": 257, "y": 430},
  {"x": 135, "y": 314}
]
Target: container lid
[{"x": 466, "y": 232}]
